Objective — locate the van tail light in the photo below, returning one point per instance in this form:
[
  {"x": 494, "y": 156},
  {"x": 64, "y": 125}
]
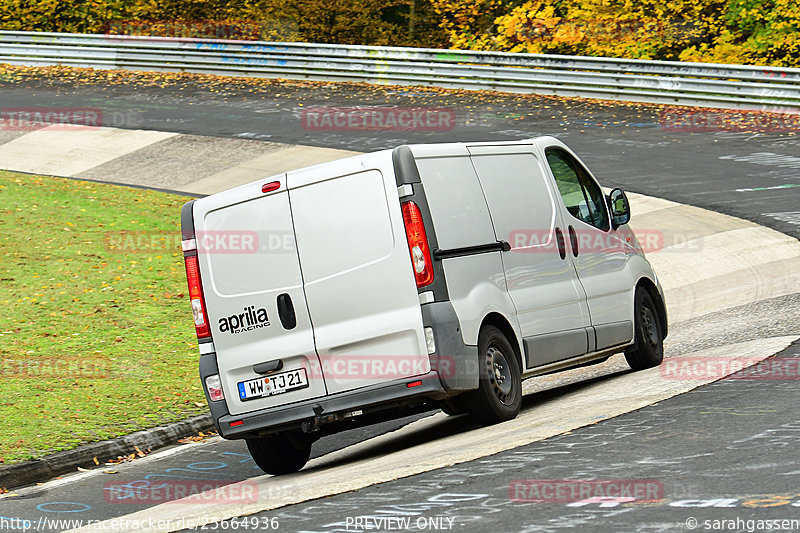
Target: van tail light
[
  {"x": 417, "y": 244},
  {"x": 214, "y": 388},
  {"x": 196, "y": 297}
]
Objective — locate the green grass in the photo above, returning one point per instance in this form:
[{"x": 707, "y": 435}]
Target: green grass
[{"x": 96, "y": 336}]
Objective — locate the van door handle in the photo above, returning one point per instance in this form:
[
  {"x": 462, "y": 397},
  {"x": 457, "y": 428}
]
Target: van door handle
[
  {"x": 286, "y": 311},
  {"x": 573, "y": 241},
  {"x": 268, "y": 367},
  {"x": 562, "y": 252}
]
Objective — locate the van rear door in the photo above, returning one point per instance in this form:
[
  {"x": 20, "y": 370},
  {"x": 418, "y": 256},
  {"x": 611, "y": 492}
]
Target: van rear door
[
  {"x": 329, "y": 242},
  {"x": 252, "y": 286},
  {"x": 358, "y": 279}
]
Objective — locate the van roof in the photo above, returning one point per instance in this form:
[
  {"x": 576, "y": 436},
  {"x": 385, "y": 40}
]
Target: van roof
[{"x": 460, "y": 148}]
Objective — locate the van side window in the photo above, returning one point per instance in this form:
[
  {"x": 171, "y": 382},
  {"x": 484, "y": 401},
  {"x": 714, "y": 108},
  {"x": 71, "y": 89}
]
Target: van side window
[{"x": 581, "y": 194}]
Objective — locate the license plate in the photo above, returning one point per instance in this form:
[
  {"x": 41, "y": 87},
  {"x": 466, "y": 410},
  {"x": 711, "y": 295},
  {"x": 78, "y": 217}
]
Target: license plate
[{"x": 272, "y": 385}]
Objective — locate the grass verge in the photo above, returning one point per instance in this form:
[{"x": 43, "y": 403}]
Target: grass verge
[{"x": 96, "y": 337}]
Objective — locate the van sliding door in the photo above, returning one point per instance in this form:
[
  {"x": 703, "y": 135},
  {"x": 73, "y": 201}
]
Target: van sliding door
[{"x": 540, "y": 277}]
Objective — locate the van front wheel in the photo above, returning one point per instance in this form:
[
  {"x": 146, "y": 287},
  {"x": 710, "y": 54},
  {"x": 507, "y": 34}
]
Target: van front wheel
[
  {"x": 280, "y": 453},
  {"x": 648, "y": 347},
  {"x": 499, "y": 394}
]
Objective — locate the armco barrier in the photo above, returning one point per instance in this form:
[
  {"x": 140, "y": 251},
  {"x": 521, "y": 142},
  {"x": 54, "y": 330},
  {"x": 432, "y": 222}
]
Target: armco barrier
[{"x": 664, "y": 82}]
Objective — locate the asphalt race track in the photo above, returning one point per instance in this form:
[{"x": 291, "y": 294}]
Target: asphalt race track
[
  {"x": 721, "y": 452},
  {"x": 624, "y": 146}
]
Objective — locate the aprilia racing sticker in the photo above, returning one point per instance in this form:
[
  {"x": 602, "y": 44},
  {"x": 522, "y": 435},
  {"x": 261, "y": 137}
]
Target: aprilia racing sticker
[{"x": 248, "y": 320}]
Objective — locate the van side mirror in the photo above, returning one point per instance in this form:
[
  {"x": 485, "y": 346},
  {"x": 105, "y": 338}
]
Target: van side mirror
[{"x": 620, "y": 208}]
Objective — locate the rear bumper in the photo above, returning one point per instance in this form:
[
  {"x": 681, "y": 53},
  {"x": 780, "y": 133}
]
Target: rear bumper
[{"x": 309, "y": 413}]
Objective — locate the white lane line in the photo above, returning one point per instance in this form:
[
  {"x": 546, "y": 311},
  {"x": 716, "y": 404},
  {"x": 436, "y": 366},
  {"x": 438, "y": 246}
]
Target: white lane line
[
  {"x": 754, "y": 189},
  {"x": 367, "y": 463}
]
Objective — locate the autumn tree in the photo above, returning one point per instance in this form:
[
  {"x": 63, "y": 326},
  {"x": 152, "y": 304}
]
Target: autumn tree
[
  {"x": 469, "y": 24},
  {"x": 726, "y": 31},
  {"x": 78, "y": 16},
  {"x": 373, "y": 22},
  {"x": 644, "y": 29},
  {"x": 763, "y": 32}
]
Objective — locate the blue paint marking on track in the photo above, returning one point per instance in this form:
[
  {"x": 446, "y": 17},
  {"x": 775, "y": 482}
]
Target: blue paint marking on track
[
  {"x": 246, "y": 457},
  {"x": 81, "y": 507}
]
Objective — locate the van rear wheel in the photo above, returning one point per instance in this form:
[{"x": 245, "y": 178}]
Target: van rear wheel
[
  {"x": 498, "y": 397},
  {"x": 648, "y": 346},
  {"x": 280, "y": 453}
]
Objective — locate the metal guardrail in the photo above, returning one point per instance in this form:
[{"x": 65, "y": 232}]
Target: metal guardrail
[{"x": 664, "y": 82}]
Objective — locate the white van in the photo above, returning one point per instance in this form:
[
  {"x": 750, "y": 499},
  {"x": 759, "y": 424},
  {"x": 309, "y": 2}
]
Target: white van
[{"x": 432, "y": 275}]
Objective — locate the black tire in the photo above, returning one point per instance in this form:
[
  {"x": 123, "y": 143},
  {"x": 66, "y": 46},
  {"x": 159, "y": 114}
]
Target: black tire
[
  {"x": 280, "y": 453},
  {"x": 498, "y": 397},
  {"x": 648, "y": 346}
]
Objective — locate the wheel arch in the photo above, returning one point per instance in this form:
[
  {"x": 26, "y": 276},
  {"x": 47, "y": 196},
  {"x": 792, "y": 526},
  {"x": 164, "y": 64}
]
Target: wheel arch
[
  {"x": 500, "y": 322},
  {"x": 648, "y": 285}
]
